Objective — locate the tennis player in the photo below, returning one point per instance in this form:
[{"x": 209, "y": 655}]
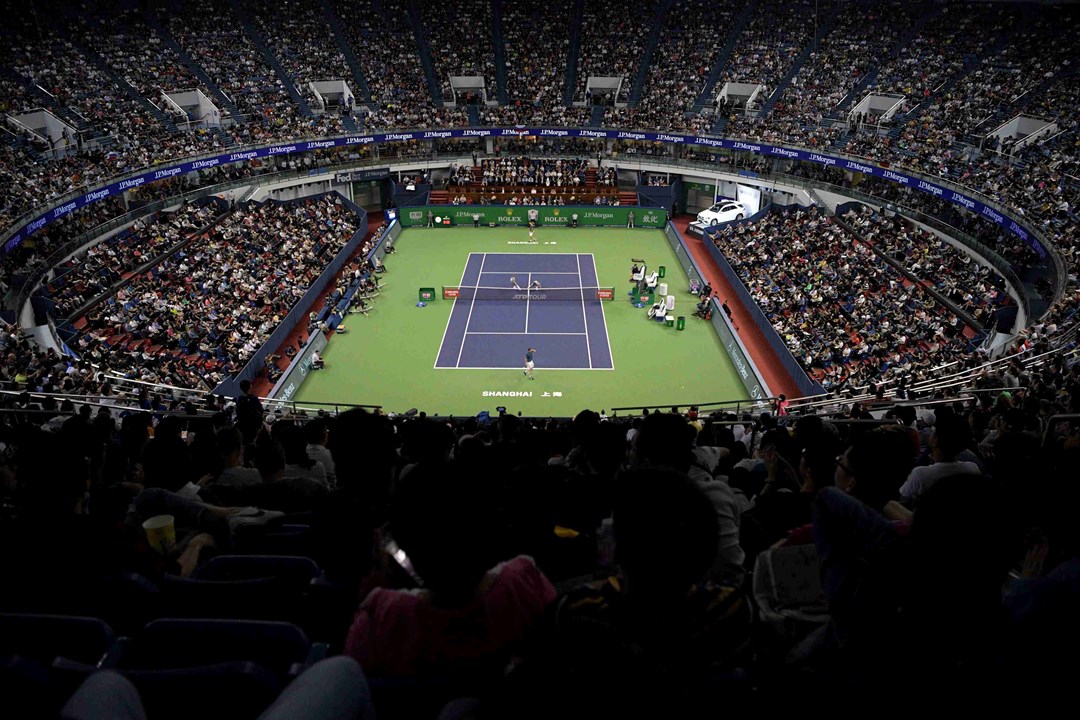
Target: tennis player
[
  {"x": 529, "y": 363},
  {"x": 532, "y": 228},
  {"x": 514, "y": 283},
  {"x": 535, "y": 285}
]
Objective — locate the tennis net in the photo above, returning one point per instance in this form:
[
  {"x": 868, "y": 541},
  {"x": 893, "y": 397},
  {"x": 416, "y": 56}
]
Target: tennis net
[{"x": 570, "y": 294}]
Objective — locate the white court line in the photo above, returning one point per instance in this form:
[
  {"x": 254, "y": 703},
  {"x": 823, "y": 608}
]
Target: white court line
[
  {"x": 528, "y": 294},
  {"x": 517, "y": 333},
  {"x": 522, "y": 272},
  {"x": 584, "y": 315},
  {"x": 518, "y": 368},
  {"x": 451, "y": 317},
  {"x": 472, "y": 304},
  {"x": 607, "y": 332}
]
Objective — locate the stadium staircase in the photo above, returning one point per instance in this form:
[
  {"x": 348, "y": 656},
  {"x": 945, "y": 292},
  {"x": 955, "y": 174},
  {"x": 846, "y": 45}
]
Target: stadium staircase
[
  {"x": 708, "y": 93},
  {"x": 434, "y": 86},
  {"x": 856, "y": 94},
  {"x": 597, "y": 118},
  {"x": 439, "y": 197},
  {"x": 50, "y": 103},
  {"x": 224, "y": 101},
  {"x": 360, "y": 86},
  {"x": 971, "y": 63},
  {"x": 628, "y": 197},
  {"x": 645, "y": 61},
  {"x": 473, "y": 111},
  {"x": 349, "y": 123},
  {"x": 123, "y": 85},
  {"x": 1007, "y": 111},
  {"x": 572, "y": 53},
  {"x": 257, "y": 39},
  {"x": 796, "y": 66},
  {"x": 500, "y": 51}
]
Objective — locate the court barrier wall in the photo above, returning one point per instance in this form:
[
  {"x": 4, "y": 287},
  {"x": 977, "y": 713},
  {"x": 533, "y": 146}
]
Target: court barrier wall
[
  {"x": 298, "y": 370},
  {"x": 561, "y": 215},
  {"x": 751, "y": 378},
  {"x": 806, "y": 384},
  {"x": 298, "y": 314}
]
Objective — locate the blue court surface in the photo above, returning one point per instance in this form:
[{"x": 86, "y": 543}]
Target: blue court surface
[{"x": 493, "y": 326}]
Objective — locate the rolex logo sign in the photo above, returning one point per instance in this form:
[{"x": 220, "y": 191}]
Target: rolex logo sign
[{"x": 556, "y": 212}]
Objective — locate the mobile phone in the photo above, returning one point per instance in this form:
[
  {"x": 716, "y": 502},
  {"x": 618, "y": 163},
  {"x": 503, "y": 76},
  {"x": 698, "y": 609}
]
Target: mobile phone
[{"x": 391, "y": 548}]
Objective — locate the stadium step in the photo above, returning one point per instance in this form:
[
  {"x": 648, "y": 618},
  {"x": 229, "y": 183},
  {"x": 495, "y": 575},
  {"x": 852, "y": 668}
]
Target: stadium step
[
  {"x": 359, "y": 85},
  {"x": 796, "y": 66},
  {"x": 425, "y": 54},
  {"x": 473, "y": 111},
  {"x": 572, "y": 53},
  {"x": 349, "y": 123},
  {"x": 708, "y": 93},
  {"x": 590, "y": 177},
  {"x": 628, "y": 197},
  {"x": 257, "y": 39},
  {"x": 123, "y": 85},
  {"x": 439, "y": 197},
  {"x": 228, "y": 107},
  {"x": 597, "y": 118},
  {"x": 650, "y": 50},
  {"x": 500, "y": 52}
]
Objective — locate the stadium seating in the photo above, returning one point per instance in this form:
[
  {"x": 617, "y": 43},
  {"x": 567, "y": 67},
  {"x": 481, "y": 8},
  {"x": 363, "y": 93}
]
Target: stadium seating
[{"x": 880, "y": 310}]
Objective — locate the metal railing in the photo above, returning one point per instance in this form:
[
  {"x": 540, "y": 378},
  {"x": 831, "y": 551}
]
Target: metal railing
[{"x": 917, "y": 172}]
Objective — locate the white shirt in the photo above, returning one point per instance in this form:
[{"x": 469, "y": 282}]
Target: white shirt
[{"x": 923, "y": 478}]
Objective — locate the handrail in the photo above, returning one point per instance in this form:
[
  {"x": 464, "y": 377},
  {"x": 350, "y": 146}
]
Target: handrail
[{"x": 419, "y": 135}]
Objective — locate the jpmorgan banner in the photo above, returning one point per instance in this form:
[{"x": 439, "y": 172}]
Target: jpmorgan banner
[
  {"x": 588, "y": 215},
  {"x": 1004, "y": 220}
]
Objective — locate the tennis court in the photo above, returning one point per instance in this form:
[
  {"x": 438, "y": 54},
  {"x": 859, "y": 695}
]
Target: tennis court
[
  {"x": 507, "y": 302},
  {"x": 399, "y": 354}
]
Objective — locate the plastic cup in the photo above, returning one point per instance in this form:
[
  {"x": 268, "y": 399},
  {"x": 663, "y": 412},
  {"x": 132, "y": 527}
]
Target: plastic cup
[{"x": 161, "y": 533}]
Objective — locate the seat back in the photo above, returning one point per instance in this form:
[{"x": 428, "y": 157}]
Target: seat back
[
  {"x": 290, "y": 569},
  {"x": 44, "y": 637},
  {"x": 174, "y": 643}
]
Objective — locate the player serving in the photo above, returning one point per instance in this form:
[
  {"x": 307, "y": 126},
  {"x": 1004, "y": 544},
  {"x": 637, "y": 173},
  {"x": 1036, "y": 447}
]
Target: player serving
[
  {"x": 529, "y": 363},
  {"x": 532, "y": 228}
]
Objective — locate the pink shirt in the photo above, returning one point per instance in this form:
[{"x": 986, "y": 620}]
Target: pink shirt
[{"x": 400, "y": 633}]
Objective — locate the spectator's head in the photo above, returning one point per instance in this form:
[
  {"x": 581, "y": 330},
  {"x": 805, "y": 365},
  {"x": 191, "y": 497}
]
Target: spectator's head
[
  {"x": 664, "y": 440},
  {"x": 876, "y": 464},
  {"x": 293, "y": 444},
  {"x": 269, "y": 458},
  {"x": 951, "y": 436},
  {"x": 230, "y": 444},
  {"x": 317, "y": 432},
  {"x": 666, "y": 532},
  {"x": 245, "y": 387},
  {"x": 441, "y": 520}
]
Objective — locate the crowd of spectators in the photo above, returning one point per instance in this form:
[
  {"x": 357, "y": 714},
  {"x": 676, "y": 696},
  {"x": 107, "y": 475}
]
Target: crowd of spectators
[
  {"x": 91, "y": 273},
  {"x": 613, "y": 39},
  {"x": 218, "y": 298},
  {"x": 997, "y": 51},
  {"x": 451, "y": 54},
  {"x": 584, "y": 567},
  {"x": 530, "y": 171},
  {"x": 692, "y": 36},
  {"x": 971, "y": 285},
  {"x": 537, "y": 51},
  {"x": 382, "y": 38},
  {"x": 847, "y": 316},
  {"x": 212, "y": 35},
  {"x": 861, "y": 35},
  {"x": 769, "y": 44},
  {"x": 297, "y": 33}
]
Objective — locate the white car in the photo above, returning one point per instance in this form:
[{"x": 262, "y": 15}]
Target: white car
[{"x": 722, "y": 211}]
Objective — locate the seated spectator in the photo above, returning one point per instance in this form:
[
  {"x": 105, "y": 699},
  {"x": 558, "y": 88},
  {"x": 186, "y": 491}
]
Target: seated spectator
[
  {"x": 648, "y": 637},
  {"x": 468, "y": 611},
  {"x": 950, "y": 437}
]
